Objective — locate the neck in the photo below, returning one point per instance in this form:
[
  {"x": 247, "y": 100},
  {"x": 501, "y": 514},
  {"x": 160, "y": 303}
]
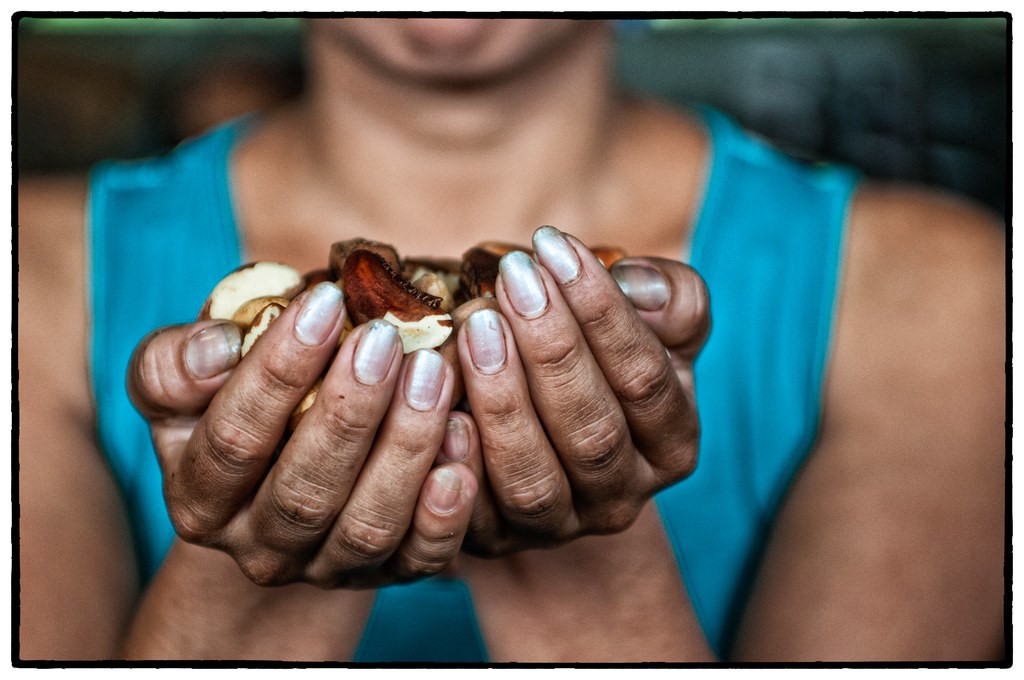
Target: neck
[{"x": 464, "y": 163}]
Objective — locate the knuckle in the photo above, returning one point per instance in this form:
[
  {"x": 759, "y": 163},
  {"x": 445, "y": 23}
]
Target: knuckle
[
  {"x": 407, "y": 449},
  {"x": 302, "y": 505},
  {"x": 602, "y": 319},
  {"x": 266, "y": 568},
  {"x": 360, "y": 542},
  {"x": 681, "y": 461},
  {"x": 649, "y": 385},
  {"x": 560, "y": 354},
  {"x": 347, "y": 427},
  {"x": 687, "y": 456},
  {"x": 501, "y": 410},
  {"x": 617, "y": 332},
  {"x": 190, "y": 524},
  {"x": 536, "y": 502},
  {"x": 599, "y": 314},
  {"x": 428, "y": 555},
  {"x": 232, "y": 444},
  {"x": 599, "y": 451},
  {"x": 152, "y": 382},
  {"x": 281, "y": 375},
  {"x": 614, "y": 517}
]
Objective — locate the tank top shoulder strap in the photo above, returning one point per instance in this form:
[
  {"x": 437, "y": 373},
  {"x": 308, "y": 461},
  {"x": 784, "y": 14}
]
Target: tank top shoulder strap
[
  {"x": 161, "y": 233},
  {"x": 768, "y": 242}
]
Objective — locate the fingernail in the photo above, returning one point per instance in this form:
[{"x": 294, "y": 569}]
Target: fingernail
[
  {"x": 423, "y": 379},
  {"x": 443, "y": 493},
  {"x": 556, "y": 254},
  {"x": 375, "y": 352},
  {"x": 523, "y": 283},
  {"x": 486, "y": 341},
  {"x": 456, "y": 441},
  {"x": 319, "y": 314},
  {"x": 646, "y": 287},
  {"x": 213, "y": 350}
]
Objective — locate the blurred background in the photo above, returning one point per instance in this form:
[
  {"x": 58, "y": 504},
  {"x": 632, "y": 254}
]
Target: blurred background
[{"x": 922, "y": 99}]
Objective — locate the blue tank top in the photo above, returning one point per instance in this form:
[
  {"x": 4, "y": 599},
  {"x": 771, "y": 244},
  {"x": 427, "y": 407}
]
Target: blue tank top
[{"x": 768, "y": 241}]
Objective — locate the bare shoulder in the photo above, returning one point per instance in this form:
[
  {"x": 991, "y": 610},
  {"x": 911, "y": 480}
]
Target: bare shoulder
[
  {"x": 890, "y": 542},
  {"x": 920, "y": 339},
  {"x": 923, "y": 300},
  {"x": 927, "y": 239}
]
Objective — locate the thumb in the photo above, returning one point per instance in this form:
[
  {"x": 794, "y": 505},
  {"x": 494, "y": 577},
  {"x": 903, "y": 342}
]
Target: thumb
[
  {"x": 670, "y": 297},
  {"x": 176, "y": 370}
]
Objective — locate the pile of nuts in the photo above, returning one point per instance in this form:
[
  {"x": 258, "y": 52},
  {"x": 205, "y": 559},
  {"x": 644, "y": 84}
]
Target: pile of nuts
[{"x": 417, "y": 295}]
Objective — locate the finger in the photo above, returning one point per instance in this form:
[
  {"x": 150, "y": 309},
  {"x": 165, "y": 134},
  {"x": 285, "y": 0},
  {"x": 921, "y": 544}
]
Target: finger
[
  {"x": 670, "y": 297},
  {"x": 461, "y": 442},
  {"x": 176, "y": 370},
  {"x": 439, "y": 523},
  {"x": 660, "y": 410},
  {"x": 378, "y": 511},
  {"x": 311, "y": 479},
  {"x": 236, "y": 437},
  {"x": 450, "y": 349},
  {"x": 580, "y": 411},
  {"x": 524, "y": 474},
  {"x": 462, "y": 445}
]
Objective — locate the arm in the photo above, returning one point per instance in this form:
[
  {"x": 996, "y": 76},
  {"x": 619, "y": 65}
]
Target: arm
[
  {"x": 79, "y": 589},
  {"x": 347, "y": 500},
  {"x": 610, "y": 378},
  {"x": 890, "y": 545},
  {"x": 78, "y": 576},
  {"x": 80, "y": 595}
]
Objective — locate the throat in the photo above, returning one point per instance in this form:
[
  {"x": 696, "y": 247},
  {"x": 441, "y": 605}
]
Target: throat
[
  {"x": 294, "y": 198},
  {"x": 426, "y": 201}
]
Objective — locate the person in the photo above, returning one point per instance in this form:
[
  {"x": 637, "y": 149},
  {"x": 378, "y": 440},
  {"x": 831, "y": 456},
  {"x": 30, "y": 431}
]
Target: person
[{"x": 789, "y": 448}]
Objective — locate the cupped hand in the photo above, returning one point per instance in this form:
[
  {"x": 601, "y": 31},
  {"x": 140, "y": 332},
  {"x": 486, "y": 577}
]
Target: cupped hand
[
  {"x": 352, "y": 497},
  {"x": 581, "y": 391}
]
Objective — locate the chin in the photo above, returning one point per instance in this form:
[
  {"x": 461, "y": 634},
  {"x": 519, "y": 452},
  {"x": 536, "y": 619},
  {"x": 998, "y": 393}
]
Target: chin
[{"x": 451, "y": 51}]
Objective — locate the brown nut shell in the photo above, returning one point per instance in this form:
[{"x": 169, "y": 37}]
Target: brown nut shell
[
  {"x": 341, "y": 250},
  {"x": 324, "y": 275},
  {"x": 479, "y": 272},
  {"x": 260, "y": 323},
  {"x": 432, "y": 284},
  {"x": 374, "y": 290},
  {"x": 448, "y": 269},
  {"x": 500, "y": 248},
  {"x": 253, "y": 280},
  {"x": 245, "y": 314}
]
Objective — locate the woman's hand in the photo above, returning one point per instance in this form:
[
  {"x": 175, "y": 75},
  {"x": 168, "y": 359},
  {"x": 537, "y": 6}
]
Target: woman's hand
[
  {"x": 350, "y": 499},
  {"x": 583, "y": 397}
]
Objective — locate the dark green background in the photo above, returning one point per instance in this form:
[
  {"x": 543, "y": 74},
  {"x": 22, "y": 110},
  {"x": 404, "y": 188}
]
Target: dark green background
[{"x": 923, "y": 99}]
